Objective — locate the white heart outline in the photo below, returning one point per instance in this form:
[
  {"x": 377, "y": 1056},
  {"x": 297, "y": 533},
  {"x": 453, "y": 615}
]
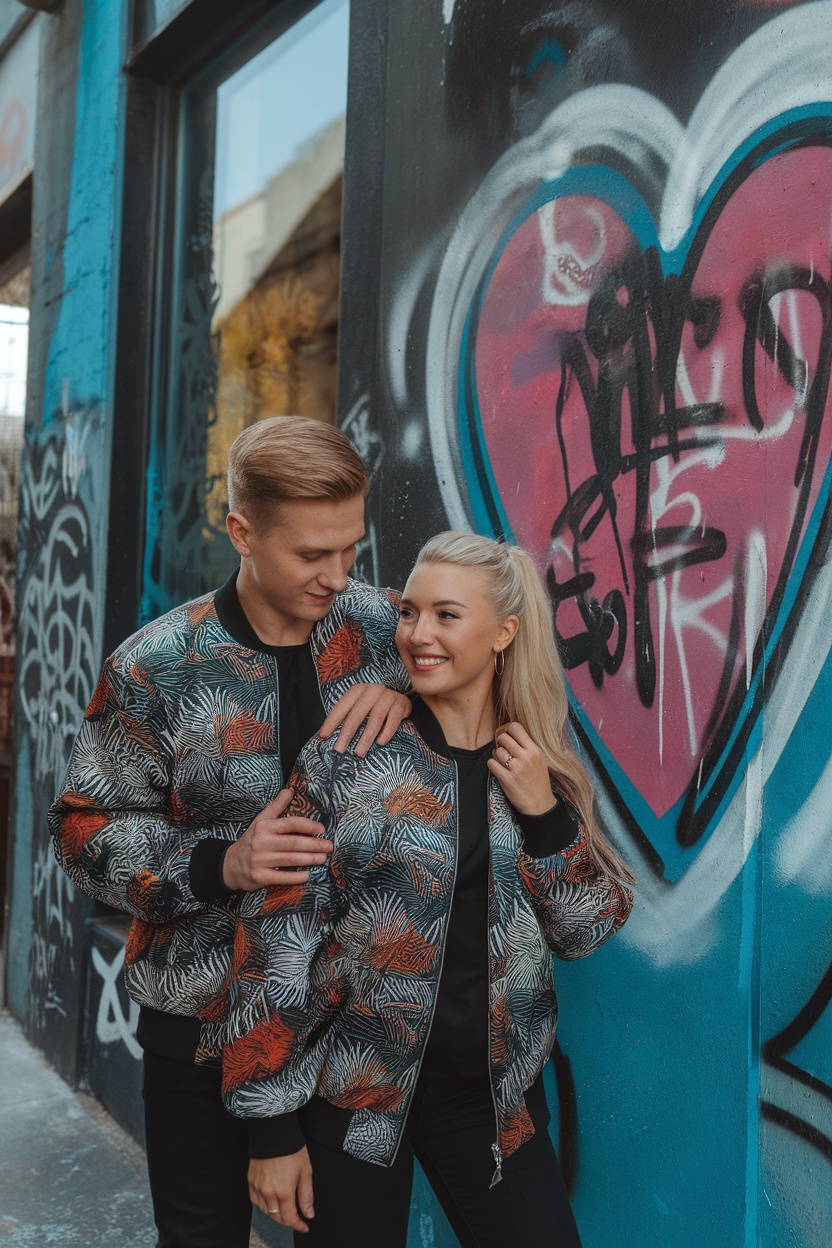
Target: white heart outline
[{"x": 785, "y": 64}]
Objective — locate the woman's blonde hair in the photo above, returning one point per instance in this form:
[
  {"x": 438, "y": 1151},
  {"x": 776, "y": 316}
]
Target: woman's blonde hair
[
  {"x": 531, "y": 688},
  {"x": 289, "y": 457}
]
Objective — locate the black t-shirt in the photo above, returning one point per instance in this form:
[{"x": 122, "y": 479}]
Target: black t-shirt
[
  {"x": 300, "y": 708},
  {"x": 458, "y": 1043},
  {"x": 457, "y": 1046}
]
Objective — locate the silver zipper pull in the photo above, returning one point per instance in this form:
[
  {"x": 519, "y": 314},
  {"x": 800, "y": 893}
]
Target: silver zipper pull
[{"x": 498, "y": 1161}]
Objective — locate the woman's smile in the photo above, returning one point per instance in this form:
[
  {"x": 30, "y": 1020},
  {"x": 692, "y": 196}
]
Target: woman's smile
[{"x": 425, "y": 662}]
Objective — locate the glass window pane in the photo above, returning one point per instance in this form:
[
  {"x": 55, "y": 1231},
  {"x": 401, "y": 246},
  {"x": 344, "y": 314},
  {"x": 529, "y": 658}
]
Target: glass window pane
[
  {"x": 255, "y": 273},
  {"x": 14, "y": 344},
  {"x": 277, "y": 225}
]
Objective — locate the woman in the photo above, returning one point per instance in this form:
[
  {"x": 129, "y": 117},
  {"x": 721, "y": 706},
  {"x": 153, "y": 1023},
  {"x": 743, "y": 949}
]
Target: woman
[{"x": 403, "y": 1003}]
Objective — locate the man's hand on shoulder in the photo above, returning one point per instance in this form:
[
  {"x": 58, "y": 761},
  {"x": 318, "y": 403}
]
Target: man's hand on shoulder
[
  {"x": 271, "y": 846},
  {"x": 382, "y": 708}
]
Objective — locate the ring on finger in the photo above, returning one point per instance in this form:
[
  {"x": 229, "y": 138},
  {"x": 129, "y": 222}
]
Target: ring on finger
[
  {"x": 277, "y": 1210},
  {"x": 508, "y": 761}
]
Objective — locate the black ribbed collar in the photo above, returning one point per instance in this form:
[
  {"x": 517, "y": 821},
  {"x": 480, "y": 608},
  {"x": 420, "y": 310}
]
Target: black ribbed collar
[
  {"x": 234, "y": 620},
  {"x": 429, "y": 728}
]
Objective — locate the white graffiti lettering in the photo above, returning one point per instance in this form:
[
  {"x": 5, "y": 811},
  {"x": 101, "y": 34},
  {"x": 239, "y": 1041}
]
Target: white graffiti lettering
[{"x": 111, "y": 1024}]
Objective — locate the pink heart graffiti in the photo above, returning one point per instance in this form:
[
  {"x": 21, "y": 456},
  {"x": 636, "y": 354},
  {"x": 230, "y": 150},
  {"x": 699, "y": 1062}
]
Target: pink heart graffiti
[{"x": 661, "y": 444}]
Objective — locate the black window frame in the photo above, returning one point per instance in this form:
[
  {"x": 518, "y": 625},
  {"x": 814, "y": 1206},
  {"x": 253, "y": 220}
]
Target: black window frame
[{"x": 202, "y": 45}]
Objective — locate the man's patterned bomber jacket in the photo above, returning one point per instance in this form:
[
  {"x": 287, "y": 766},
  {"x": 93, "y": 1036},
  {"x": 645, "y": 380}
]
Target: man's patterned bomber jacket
[
  {"x": 180, "y": 744},
  {"x": 334, "y": 988}
]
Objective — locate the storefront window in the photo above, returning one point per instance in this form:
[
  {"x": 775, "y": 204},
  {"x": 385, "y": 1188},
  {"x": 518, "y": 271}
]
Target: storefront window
[
  {"x": 277, "y": 232},
  {"x": 257, "y": 288},
  {"x": 14, "y": 343}
]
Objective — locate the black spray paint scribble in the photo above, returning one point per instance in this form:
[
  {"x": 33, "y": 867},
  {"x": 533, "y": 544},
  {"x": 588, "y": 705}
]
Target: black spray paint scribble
[
  {"x": 627, "y": 359},
  {"x": 179, "y": 538},
  {"x": 621, "y": 313},
  {"x": 775, "y": 1052}
]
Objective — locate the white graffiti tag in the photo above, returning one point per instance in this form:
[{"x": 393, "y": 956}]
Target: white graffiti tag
[
  {"x": 111, "y": 1025},
  {"x": 568, "y": 273}
]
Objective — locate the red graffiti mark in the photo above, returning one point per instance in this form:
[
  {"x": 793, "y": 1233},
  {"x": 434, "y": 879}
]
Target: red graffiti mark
[
  {"x": 12, "y": 133},
  {"x": 659, "y": 445}
]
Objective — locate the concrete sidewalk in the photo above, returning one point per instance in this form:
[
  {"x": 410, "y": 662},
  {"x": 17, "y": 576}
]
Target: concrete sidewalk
[{"x": 69, "y": 1176}]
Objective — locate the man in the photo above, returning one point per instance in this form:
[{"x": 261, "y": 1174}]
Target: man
[{"x": 173, "y": 805}]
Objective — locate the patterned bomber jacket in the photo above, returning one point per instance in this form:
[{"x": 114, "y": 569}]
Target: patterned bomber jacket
[
  {"x": 335, "y": 986},
  {"x": 180, "y": 745}
]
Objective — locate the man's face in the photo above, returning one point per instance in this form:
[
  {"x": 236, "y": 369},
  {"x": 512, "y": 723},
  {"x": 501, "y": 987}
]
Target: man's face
[{"x": 300, "y": 564}]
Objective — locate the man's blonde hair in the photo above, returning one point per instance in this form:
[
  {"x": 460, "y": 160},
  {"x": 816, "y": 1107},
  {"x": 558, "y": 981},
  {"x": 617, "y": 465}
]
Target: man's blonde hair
[{"x": 287, "y": 457}]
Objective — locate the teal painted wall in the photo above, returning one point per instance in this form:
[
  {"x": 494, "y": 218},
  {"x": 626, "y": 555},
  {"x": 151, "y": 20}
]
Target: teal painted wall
[{"x": 64, "y": 498}]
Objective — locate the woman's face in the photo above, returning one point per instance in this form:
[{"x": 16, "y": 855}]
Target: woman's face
[{"x": 448, "y": 633}]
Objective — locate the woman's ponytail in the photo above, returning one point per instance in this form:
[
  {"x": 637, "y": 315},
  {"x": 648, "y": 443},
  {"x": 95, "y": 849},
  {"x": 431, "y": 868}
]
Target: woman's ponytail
[{"x": 531, "y": 688}]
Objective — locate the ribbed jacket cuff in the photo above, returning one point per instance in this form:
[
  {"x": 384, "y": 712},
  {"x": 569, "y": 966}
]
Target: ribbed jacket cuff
[
  {"x": 549, "y": 833},
  {"x": 205, "y": 869},
  {"x": 275, "y": 1137}
]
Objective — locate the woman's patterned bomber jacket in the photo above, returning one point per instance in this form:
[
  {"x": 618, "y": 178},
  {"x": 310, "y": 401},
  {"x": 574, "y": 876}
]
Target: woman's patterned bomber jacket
[
  {"x": 334, "y": 988},
  {"x": 180, "y": 745}
]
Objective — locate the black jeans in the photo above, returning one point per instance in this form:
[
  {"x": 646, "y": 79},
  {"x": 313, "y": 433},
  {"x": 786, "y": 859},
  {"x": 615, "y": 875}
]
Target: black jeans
[
  {"x": 197, "y": 1158},
  {"x": 450, "y": 1131}
]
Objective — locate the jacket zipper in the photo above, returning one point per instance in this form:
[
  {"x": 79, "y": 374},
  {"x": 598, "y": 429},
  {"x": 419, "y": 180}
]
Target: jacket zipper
[
  {"x": 495, "y": 1147},
  {"x": 314, "y": 651},
  {"x": 441, "y": 963}
]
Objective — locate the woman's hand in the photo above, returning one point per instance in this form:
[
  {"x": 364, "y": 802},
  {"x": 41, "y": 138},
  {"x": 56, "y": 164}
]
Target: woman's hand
[
  {"x": 383, "y": 709},
  {"x": 521, "y": 770},
  {"x": 282, "y": 1188}
]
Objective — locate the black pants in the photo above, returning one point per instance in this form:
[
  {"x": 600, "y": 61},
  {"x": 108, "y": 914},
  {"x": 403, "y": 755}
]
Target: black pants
[
  {"x": 450, "y": 1131},
  {"x": 197, "y": 1158}
]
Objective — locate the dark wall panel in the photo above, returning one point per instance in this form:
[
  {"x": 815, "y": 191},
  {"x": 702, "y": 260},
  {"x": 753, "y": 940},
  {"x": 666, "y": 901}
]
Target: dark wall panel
[{"x": 591, "y": 313}]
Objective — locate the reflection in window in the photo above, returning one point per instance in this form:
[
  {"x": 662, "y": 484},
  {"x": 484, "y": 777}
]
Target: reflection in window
[
  {"x": 254, "y": 282},
  {"x": 276, "y": 234},
  {"x": 14, "y": 344},
  {"x": 14, "y": 341}
]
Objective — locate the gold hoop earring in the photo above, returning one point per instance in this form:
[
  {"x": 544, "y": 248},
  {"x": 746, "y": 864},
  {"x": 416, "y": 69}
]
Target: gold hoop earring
[{"x": 501, "y": 654}]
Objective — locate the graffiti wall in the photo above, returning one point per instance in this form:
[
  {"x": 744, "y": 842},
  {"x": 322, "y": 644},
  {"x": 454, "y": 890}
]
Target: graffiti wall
[
  {"x": 586, "y": 306},
  {"x": 63, "y": 504},
  {"x": 605, "y": 332}
]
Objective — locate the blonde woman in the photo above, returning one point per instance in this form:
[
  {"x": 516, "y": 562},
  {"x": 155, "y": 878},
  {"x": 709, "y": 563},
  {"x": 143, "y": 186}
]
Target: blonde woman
[{"x": 402, "y": 1005}]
